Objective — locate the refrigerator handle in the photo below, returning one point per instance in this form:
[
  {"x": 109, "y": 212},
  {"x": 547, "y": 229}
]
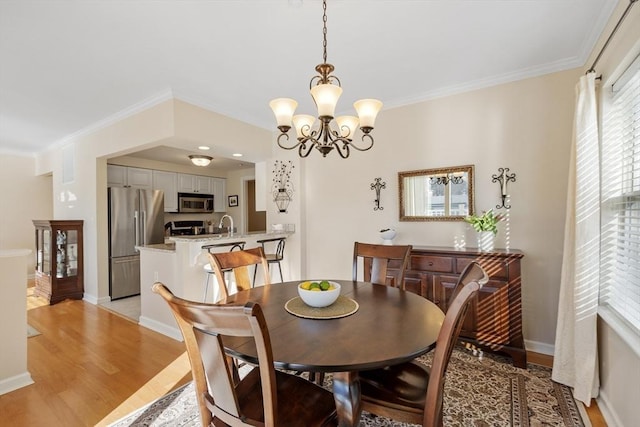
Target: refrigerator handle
[
  {"x": 144, "y": 228},
  {"x": 136, "y": 227}
]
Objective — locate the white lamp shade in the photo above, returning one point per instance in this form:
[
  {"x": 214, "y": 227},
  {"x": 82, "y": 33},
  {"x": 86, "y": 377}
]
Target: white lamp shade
[
  {"x": 367, "y": 111},
  {"x": 326, "y": 97},
  {"x": 283, "y": 109},
  {"x": 303, "y": 124},
  {"x": 348, "y": 125}
]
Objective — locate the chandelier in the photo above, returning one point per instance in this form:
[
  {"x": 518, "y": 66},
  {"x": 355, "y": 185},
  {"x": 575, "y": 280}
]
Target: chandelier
[{"x": 325, "y": 89}]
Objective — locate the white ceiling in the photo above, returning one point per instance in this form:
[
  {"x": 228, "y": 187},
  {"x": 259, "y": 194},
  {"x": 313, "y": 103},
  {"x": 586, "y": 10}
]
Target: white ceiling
[{"x": 67, "y": 66}]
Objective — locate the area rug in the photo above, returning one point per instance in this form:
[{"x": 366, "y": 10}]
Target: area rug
[
  {"x": 481, "y": 391},
  {"x": 31, "y": 331}
]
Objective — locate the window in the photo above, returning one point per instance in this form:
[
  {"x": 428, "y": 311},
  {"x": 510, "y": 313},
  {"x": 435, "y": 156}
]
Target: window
[{"x": 620, "y": 200}]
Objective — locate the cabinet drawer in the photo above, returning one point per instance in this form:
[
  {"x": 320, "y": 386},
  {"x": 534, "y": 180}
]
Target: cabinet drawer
[
  {"x": 432, "y": 263},
  {"x": 496, "y": 268}
]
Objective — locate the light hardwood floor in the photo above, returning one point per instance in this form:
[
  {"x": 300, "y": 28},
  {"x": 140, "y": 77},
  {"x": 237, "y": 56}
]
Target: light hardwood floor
[{"x": 92, "y": 367}]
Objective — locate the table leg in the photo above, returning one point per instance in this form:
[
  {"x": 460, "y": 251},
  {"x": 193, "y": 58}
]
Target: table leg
[{"x": 346, "y": 392}]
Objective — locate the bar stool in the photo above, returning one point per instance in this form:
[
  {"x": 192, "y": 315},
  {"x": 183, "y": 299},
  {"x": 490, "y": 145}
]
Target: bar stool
[
  {"x": 207, "y": 267},
  {"x": 272, "y": 258}
]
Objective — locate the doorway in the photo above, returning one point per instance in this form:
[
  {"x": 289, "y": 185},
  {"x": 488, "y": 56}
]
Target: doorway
[{"x": 256, "y": 220}]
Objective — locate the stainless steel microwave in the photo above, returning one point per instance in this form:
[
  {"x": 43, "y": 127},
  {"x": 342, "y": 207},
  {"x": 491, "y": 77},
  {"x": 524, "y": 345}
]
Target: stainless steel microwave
[{"x": 195, "y": 203}]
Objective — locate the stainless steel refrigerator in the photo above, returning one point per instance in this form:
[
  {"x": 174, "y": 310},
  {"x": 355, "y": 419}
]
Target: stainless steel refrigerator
[{"x": 136, "y": 218}]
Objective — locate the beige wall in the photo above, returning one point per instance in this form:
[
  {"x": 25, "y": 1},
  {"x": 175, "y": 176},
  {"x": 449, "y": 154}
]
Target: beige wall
[
  {"x": 25, "y": 197},
  {"x": 525, "y": 126}
]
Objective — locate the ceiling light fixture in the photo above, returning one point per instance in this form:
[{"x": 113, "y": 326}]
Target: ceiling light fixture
[
  {"x": 325, "y": 90},
  {"x": 200, "y": 160}
]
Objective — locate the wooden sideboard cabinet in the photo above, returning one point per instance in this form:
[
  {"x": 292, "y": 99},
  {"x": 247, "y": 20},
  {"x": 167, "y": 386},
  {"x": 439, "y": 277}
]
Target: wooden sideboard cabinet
[
  {"x": 494, "y": 320},
  {"x": 59, "y": 267}
]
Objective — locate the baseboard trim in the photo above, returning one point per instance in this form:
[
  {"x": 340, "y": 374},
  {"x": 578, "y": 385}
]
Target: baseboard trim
[
  {"x": 608, "y": 414},
  {"x": 91, "y": 299},
  {"x": 162, "y": 328},
  {"x": 13, "y": 383},
  {"x": 539, "y": 347}
]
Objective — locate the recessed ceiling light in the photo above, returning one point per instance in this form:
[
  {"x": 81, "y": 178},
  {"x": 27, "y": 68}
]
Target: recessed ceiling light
[
  {"x": 237, "y": 155},
  {"x": 204, "y": 148}
]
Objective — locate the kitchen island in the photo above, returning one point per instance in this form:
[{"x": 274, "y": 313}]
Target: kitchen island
[{"x": 179, "y": 264}]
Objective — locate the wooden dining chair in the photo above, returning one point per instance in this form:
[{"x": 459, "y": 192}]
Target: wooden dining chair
[
  {"x": 375, "y": 260},
  {"x": 208, "y": 268},
  {"x": 264, "y": 397},
  {"x": 410, "y": 392},
  {"x": 473, "y": 272},
  {"x": 238, "y": 262}
]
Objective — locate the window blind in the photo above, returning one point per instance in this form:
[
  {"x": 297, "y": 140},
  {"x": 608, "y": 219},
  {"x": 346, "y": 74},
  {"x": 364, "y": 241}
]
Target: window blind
[{"x": 620, "y": 200}]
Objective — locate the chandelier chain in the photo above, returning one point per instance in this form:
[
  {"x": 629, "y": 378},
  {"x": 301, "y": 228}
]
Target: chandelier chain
[{"x": 324, "y": 30}]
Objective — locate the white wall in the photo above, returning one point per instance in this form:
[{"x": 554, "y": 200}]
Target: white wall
[
  {"x": 525, "y": 126},
  {"x": 25, "y": 197}
]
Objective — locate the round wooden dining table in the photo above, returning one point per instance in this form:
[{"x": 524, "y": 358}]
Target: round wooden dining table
[{"x": 390, "y": 326}]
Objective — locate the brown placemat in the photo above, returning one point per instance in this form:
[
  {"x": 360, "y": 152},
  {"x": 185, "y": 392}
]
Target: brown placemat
[{"x": 343, "y": 307}]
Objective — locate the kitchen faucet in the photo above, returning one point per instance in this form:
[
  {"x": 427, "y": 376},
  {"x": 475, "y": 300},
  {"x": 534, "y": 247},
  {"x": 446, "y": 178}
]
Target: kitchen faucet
[{"x": 230, "y": 234}]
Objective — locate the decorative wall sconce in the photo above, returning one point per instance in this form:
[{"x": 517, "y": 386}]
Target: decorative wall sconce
[
  {"x": 503, "y": 177},
  {"x": 282, "y": 188},
  {"x": 378, "y": 186}
]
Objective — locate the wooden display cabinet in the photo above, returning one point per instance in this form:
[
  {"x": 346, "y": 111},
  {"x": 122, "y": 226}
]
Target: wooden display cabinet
[
  {"x": 494, "y": 319},
  {"x": 59, "y": 267}
]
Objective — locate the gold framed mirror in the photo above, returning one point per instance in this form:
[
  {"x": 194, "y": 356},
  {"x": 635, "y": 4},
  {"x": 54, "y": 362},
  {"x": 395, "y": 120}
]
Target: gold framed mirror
[{"x": 444, "y": 194}]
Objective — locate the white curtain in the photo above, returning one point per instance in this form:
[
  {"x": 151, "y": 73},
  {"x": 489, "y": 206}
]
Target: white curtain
[{"x": 575, "y": 362}]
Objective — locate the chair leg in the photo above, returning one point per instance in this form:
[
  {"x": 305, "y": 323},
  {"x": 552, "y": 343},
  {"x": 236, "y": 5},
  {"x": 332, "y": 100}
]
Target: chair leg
[
  {"x": 280, "y": 268},
  {"x": 206, "y": 287},
  {"x": 318, "y": 378},
  {"x": 255, "y": 271}
]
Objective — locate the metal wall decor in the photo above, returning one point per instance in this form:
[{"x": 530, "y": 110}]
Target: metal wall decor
[
  {"x": 378, "y": 186},
  {"x": 503, "y": 177},
  {"x": 282, "y": 188}
]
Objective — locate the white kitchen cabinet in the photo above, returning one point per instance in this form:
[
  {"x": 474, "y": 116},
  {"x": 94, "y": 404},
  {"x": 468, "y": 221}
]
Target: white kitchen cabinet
[
  {"x": 202, "y": 184},
  {"x": 219, "y": 194},
  {"x": 123, "y": 176},
  {"x": 185, "y": 183},
  {"x": 167, "y": 182},
  {"x": 194, "y": 184},
  {"x": 116, "y": 176},
  {"x": 140, "y": 178}
]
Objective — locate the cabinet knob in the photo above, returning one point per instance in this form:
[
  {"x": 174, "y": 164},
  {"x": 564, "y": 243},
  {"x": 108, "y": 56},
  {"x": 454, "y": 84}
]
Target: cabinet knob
[{"x": 430, "y": 263}]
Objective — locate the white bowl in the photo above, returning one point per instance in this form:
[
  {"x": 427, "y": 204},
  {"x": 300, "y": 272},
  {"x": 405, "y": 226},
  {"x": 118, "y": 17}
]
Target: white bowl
[
  {"x": 388, "y": 235},
  {"x": 319, "y": 298}
]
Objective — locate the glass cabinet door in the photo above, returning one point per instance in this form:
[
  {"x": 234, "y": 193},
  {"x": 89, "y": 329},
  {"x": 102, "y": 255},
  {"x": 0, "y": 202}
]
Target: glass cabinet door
[{"x": 43, "y": 245}]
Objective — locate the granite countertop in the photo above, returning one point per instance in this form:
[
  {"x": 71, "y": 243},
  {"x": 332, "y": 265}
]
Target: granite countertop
[
  {"x": 160, "y": 247},
  {"x": 212, "y": 238}
]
